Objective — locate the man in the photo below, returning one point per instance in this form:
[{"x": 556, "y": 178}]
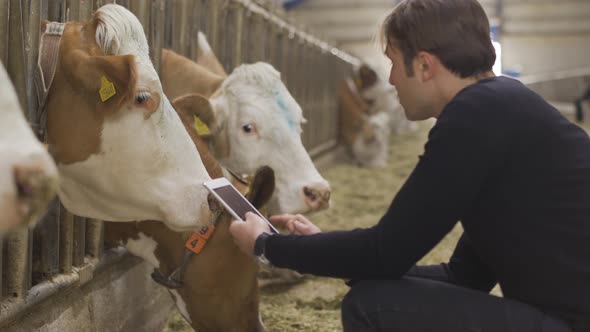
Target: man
[{"x": 499, "y": 159}]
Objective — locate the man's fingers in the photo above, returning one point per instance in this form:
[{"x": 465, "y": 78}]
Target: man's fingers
[
  {"x": 281, "y": 219},
  {"x": 291, "y": 225},
  {"x": 234, "y": 227}
]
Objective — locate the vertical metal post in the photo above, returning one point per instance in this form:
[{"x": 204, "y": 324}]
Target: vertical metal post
[
  {"x": 72, "y": 11},
  {"x": 57, "y": 10},
  {"x": 142, "y": 11},
  {"x": 204, "y": 6},
  {"x": 194, "y": 21},
  {"x": 46, "y": 243},
  {"x": 230, "y": 46},
  {"x": 124, "y": 3},
  {"x": 246, "y": 40},
  {"x": 157, "y": 27},
  {"x": 182, "y": 26},
  {"x": 270, "y": 28},
  {"x": 79, "y": 244},
  {"x": 66, "y": 235},
  {"x": 31, "y": 33},
  {"x": 16, "y": 64},
  {"x": 17, "y": 265},
  {"x": 85, "y": 10},
  {"x": 215, "y": 7},
  {"x": 94, "y": 237},
  {"x": 4, "y": 29},
  {"x": 261, "y": 37}
]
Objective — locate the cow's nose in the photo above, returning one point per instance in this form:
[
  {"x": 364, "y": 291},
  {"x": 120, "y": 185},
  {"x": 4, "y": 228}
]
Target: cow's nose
[
  {"x": 317, "y": 196},
  {"x": 35, "y": 187}
]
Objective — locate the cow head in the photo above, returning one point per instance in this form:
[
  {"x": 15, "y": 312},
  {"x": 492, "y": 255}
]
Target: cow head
[
  {"x": 28, "y": 177},
  {"x": 121, "y": 150},
  {"x": 255, "y": 121},
  {"x": 371, "y": 147}
]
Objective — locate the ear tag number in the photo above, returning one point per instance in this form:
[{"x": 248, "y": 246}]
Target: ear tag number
[
  {"x": 200, "y": 126},
  {"x": 107, "y": 89}
]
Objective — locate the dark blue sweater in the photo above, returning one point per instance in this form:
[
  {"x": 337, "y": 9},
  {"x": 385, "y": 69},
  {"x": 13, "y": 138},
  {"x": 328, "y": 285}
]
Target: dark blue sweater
[{"x": 515, "y": 172}]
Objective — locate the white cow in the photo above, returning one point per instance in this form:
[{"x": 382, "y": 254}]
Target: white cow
[
  {"x": 381, "y": 96},
  {"x": 254, "y": 121},
  {"x": 28, "y": 177}
]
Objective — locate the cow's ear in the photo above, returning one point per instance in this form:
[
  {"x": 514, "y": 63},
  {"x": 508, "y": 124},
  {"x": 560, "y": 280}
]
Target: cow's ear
[
  {"x": 196, "y": 110},
  {"x": 108, "y": 80},
  {"x": 262, "y": 187}
]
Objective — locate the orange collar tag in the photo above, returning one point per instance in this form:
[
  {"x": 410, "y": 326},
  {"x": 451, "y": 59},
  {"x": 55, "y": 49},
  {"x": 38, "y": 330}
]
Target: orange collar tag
[{"x": 198, "y": 240}]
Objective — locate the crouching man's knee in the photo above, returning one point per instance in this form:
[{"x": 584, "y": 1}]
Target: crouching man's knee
[{"x": 367, "y": 301}]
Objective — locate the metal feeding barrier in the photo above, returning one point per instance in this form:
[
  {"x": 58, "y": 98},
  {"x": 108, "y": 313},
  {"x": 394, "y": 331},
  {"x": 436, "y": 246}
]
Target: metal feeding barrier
[{"x": 65, "y": 250}]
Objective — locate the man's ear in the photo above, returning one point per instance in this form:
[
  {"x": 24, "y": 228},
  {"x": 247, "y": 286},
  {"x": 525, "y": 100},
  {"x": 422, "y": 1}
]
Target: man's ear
[
  {"x": 109, "y": 80},
  {"x": 426, "y": 65}
]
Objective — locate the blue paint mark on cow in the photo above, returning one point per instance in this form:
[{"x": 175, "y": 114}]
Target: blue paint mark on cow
[{"x": 288, "y": 115}]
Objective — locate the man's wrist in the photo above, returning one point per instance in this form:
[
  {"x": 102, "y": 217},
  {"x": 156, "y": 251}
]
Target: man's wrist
[{"x": 260, "y": 244}]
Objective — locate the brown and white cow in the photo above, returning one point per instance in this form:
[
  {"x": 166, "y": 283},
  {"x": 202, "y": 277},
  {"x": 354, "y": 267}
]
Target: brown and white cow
[
  {"x": 28, "y": 177},
  {"x": 381, "y": 97},
  {"x": 220, "y": 291},
  {"x": 365, "y": 134},
  {"x": 121, "y": 149},
  {"x": 254, "y": 121}
]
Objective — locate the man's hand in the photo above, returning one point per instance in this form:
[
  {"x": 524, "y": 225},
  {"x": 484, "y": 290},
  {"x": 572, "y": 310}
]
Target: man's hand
[
  {"x": 296, "y": 224},
  {"x": 245, "y": 233}
]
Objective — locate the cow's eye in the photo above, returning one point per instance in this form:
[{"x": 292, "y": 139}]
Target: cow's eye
[
  {"x": 248, "y": 128},
  {"x": 142, "y": 97}
]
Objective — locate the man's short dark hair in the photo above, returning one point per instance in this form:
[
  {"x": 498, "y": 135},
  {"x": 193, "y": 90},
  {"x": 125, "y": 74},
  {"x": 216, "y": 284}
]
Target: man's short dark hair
[{"x": 456, "y": 31}]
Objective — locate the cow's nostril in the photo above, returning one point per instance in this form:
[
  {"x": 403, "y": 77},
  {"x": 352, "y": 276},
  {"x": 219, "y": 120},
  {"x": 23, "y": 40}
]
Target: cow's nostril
[
  {"x": 310, "y": 193},
  {"x": 23, "y": 182}
]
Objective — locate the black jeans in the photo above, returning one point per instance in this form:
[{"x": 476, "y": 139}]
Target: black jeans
[{"x": 424, "y": 305}]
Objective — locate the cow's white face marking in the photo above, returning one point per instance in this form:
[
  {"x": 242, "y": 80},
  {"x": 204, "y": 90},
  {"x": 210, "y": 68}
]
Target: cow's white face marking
[
  {"x": 148, "y": 167},
  {"x": 263, "y": 124}
]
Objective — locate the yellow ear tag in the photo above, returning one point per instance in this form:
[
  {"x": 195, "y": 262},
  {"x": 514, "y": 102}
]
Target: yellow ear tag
[
  {"x": 107, "y": 89},
  {"x": 200, "y": 126}
]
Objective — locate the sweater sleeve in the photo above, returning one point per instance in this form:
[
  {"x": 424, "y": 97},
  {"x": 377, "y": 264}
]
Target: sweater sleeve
[
  {"x": 465, "y": 268},
  {"x": 458, "y": 158}
]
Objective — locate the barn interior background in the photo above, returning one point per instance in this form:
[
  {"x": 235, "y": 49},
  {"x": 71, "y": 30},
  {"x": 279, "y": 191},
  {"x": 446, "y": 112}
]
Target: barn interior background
[{"x": 48, "y": 274}]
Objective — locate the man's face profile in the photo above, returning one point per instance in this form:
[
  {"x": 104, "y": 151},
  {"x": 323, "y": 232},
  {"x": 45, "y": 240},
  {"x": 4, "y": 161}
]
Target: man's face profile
[{"x": 407, "y": 86}]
